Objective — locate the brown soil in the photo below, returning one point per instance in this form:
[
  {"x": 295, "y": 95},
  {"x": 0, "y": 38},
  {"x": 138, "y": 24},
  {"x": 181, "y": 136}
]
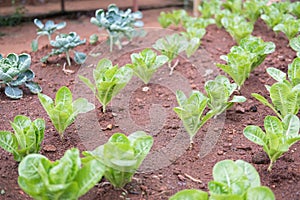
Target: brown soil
[{"x": 182, "y": 169}]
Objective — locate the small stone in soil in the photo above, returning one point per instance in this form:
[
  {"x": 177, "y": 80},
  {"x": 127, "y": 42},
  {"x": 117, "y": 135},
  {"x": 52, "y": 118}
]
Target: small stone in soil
[
  {"x": 145, "y": 89},
  {"x": 260, "y": 158},
  {"x": 181, "y": 178},
  {"x": 220, "y": 152},
  {"x": 239, "y": 109},
  {"x": 109, "y": 126},
  {"x": 49, "y": 148}
]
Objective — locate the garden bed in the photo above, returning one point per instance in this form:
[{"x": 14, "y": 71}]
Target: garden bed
[{"x": 187, "y": 170}]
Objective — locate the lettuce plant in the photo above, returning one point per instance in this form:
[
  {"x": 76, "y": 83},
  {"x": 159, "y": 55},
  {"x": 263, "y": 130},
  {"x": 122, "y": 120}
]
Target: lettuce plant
[
  {"x": 252, "y": 9},
  {"x": 278, "y": 137},
  {"x": 295, "y": 45},
  {"x": 284, "y": 94},
  {"x": 237, "y": 26},
  {"x": 200, "y": 23},
  {"x": 289, "y": 26},
  {"x": 190, "y": 111},
  {"x": 192, "y": 38},
  {"x": 171, "y": 18},
  {"x": 67, "y": 178},
  {"x": 245, "y": 58},
  {"x": 219, "y": 92},
  {"x": 63, "y": 111},
  {"x": 109, "y": 81},
  {"x": 63, "y": 43},
  {"x": 45, "y": 29},
  {"x": 27, "y": 137},
  {"x": 272, "y": 15},
  {"x": 237, "y": 180},
  {"x": 295, "y": 9},
  {"x": 171, "y": 46},
  {"x": 235, "y": 6},
  {"x": 117, "y": 23},
  {"x": 122, "y": 156},
  {"x": 14, "y": 72},
  {"x": 146, "y": 63},
  {"x": 208, "y": 8}
]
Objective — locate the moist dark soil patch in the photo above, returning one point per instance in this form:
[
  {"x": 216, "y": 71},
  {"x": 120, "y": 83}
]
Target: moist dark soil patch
[{"x": 192, "y": 169}]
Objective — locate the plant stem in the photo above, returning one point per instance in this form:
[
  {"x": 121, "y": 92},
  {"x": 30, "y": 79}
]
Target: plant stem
[
  {"x": 104, "y": 108},
  {"x": 68, "y": 58},
  {"x": 270, "y": 166},
  {"x": 110, "y": 42}
]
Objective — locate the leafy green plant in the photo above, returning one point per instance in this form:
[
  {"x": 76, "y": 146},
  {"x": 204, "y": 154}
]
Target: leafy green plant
[
  {"x": 194, "y": 22},
  {"x": 45, "y": 29},
  {"x": 146, "y": 63},
  {"x": 171, "y": 18},
  {"x": 14, "y": 72},
  {"x": 63, "y": 111},
  {"x": 237, "y": 26},
  {"x": 190, "y": 111},
  {"x": 245, "y": 58},
  {"x": 256, "y": 47},
  {"x": 208, "y": 8},
  {"x": 272, "y": 15},
  {"x": 67, "y": 178},
  {"x": 109, "y": 81},
  {"x": 289, "y": 26},
  {"x": 171, "y": 46},
  {"x": 252, "y": 9},
  {"x": 63, "y": 43},
  {"x": 235, "y": 6},
  {"x": 192, "y": 38},
  {"x": 93, "y": 39},
  {"x": 27, "y": 138},
  {"x": 219, "y": 92},
  {"x": 284, "y": 94},
  {"x": 122, "y": 156},
  {"x": 295, "y": 9},
  {"x": 278, "y": 137},
  {"x": 295, "y": 45},
  {"x": 117, "y": 23},
  {"x": 232, "y": 180}
]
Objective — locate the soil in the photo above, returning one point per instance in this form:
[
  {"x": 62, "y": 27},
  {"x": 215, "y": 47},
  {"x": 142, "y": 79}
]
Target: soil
[{"x": 177, "y": 167}]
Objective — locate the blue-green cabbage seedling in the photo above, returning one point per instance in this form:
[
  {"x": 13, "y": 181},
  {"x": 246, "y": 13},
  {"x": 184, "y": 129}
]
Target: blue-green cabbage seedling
[
  {"x": 67, "y": 178},
  {"x": 278, "y": 137},
  {"x": 27, "y": 137},
  {"x": 62, "y": 111},
  {"x": 122, "y": 156},
  {"x": 146, "y": 63},
  {"x": 45, "y": 29},
  {"x": 63, "y": 43},
  {"x": 117, "y": 23},
  {"x": 109, "y": 81},
  {"x": 14, "y": 72}
]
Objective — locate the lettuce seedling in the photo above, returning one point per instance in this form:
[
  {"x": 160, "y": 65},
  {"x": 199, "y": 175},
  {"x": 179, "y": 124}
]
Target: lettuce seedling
[
  {"x": 237, "y": 26},
  {"x": 171, "y": 18},
  {"x": 194, "y": 22},
  {"x": 63, "y": 111},
  {"x": 219, "y": 92},
  {"x": 284, "y": 94},
  {"x": 237, "y": 180},
  {"x": 257, "y": 47},
  {"x": 27, "y": 138},
  {"x": 252, "y": 9},
  {"x": 208, "y": 8},
  {"x": 272, "y": 15},
  {"x": 171, "y": 46},
  {"x": 14, "y": 72},
  {"x": 109, "y": 81},
  {"x": 63, "y": 43},
  {"x": 67, "y": 178},
  {"x": 295, "y": 9},
  {"x": 45, "y": 29},
  {"x": 117, "y": 23},
  {"x": 122, "y": 156},
  {"x": 278, "y": 137},
  {"x": 192, "y": 38},
  {"x": 295, "y": 45},
  {"x": 190, "y": 111},
  {"x": 146, "y": 63},
  {"x": 235, "y": 6},
  {"x": 289, "y": 26}
]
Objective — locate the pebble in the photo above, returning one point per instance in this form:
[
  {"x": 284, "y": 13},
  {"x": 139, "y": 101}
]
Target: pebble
[
  {"x": 180, "y": 177},
  {"x": 220, "y": 152},
  {"x": 49, "y": 148},
  {"x": 109, "y": 126},
  {"x": 239, "y": 109},
  {"x": 260, "y": 158},
  {"x": 145, "y": 89}
]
